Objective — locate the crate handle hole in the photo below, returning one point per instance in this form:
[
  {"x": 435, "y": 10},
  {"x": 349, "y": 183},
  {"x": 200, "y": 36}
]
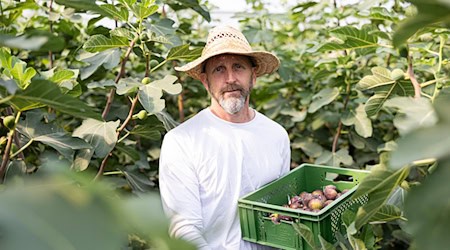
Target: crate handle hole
[{"x": 339, "y": 177}]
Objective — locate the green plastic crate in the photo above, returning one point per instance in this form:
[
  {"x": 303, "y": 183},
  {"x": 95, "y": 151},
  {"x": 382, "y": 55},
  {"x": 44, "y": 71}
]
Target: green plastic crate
[{"x": 256, "y": 207}]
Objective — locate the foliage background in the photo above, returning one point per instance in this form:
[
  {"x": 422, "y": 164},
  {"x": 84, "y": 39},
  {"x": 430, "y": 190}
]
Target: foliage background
[{"x": 360, "y": 86}]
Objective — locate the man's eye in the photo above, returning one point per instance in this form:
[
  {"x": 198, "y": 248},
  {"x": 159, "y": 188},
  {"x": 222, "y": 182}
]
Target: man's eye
[
  {"x": 218, "y": 69},
  {"x": 238, "y": 66}
]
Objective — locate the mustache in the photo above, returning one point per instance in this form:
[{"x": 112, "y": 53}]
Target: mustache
[{"x": 231, "y": 87}]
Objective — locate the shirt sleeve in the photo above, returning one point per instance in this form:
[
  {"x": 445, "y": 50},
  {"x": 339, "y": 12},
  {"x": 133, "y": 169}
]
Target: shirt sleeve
[
  {"x": 179, "y": 190},
  {"x": 286, "y": 154}
]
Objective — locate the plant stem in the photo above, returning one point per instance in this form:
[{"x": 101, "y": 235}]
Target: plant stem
[
  {"x": 119, "y": 75},
  {"x": 22, "y": 148},
  {"x": 50, "y": 53},
  {"x": 6, "y": 156},
  {"x": 147, "y": 65},
  {"x": 5, "y": 159},
  {"x": 339, "y": 129},
  {"x": 10, "y": 111},
  {"x": 113, "y": 173},
  {"x": 427, "y": 83},
  {"x": 102, "y": 167},
  {"x": 180, "y": 98},
  {"x": 123, "y": 137},
  {"x": 441, "y": 47},
  {"x": 413, "y": 79},
  {"x": 158, "y": 66}
]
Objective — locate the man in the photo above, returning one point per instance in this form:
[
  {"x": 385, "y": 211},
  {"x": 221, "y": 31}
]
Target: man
[{"x": 225, "y": 151}]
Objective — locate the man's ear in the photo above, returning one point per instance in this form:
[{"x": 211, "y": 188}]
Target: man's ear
[
  {"x": 204, "y": 80},
  {"x": 254, "y": 75}
]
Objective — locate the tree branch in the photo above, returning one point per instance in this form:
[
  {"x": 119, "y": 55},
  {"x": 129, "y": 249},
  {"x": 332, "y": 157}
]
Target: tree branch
[
  {"x": 119, "y": 75},
  {"x": 339, "y": 129},
  {"x": 130, "y": 115},
  {"x": 102, "y": 167}
]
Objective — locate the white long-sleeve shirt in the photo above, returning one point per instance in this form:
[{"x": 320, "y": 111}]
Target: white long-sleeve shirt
[{"x": 207, "y": 164}]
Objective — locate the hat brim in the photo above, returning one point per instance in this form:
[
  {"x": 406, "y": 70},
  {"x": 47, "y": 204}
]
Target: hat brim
[{"x": 265, "y": 62}]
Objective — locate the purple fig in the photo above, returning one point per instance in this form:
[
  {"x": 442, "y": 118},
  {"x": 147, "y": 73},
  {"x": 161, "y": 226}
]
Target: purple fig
[
  {"x": 327, "y": 202},
  {"x": 330, "y": 193},
  {"x": 315, "y": 204}
]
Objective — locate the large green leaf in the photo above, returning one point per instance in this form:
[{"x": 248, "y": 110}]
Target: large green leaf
[
  {"x": 324, "y": 97},
  {"x": 128, "y": 150},
  {"x": 297, "y": 116},
  {"x": 412, "y": 113},
  {"x": 144, "y": 213},
  {"x": 139, "y": 182},
  {"x": 128, "y": 85},
  {"x": 57, "y": 214},
  {"x": 23, "y": 42},
  {"x": 386, "y": 85},
  {"x": 430, "y": 12},
  {"x": 425, "y": 143},
  {"x": 65, "y": 78},
  {"x": 127, "y": 3},
  {"x": 41, "y": 92},
  {"x": 54, "y": 43},
  {"x": 117, "y": 13},
  {"x": 381, "y": 13},
  {"x": 183, "y": 53},
  {"x": 83, "y": 5},
  {"x": 61, "y": 75},
  {"x": 101, "y": 135},
  {"x": 325, "y": 245},
  {"x": 308, "y": 146},
  {"x": 358, "y": 117},
  {"x": 352, "y": 38},
  {"x": 150, "y": 94},
  {"x": 193, "y": 4},
  {"x": 22, "y": 74},
  {"x": 305, "y": 232},
  {"x": 108, "y": 59},
  {"x": 123, "y": 32},
  {"x": 141, "y": 11},
  {"x": 147, "y": 132},
  {"x": 422, "y": 144},
  {"x": 386, "y": 213},
  {"x": 35, "y": 130},
  {"x": 335, "y": 159},
  {"x": 378, "y": 185},
  {"x": 6, "y": 60},
  {"x": 381, "y": 77},
  {"x": 428, "y": 211},
  {"x": 98, "y": 43},
  {"x": 82, "y": 159},
  {"x": 164, "y": 31},
  {"x": 20, "y": 6},
  {"x": 63, "y": 143},
  {"x": 167, "y": 120}
]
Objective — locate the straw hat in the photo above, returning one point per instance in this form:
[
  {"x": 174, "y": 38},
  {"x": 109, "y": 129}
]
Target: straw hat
[{"x": 228, "y": 40}]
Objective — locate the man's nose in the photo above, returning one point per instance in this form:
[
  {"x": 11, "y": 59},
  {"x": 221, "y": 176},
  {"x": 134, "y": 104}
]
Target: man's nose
[{"x": 231, "y": 78}]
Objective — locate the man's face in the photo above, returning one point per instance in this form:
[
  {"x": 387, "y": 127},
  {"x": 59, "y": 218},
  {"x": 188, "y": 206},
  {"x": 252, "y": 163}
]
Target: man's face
[{"x": 229, "y": 79}]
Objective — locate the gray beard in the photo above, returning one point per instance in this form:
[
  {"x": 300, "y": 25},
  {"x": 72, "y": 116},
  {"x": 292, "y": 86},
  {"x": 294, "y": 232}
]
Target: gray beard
[{"x": 232, "y": 105}]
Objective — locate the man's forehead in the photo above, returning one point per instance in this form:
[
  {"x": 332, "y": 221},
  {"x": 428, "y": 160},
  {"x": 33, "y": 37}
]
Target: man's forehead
[{"x": 223, "y": 57}]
